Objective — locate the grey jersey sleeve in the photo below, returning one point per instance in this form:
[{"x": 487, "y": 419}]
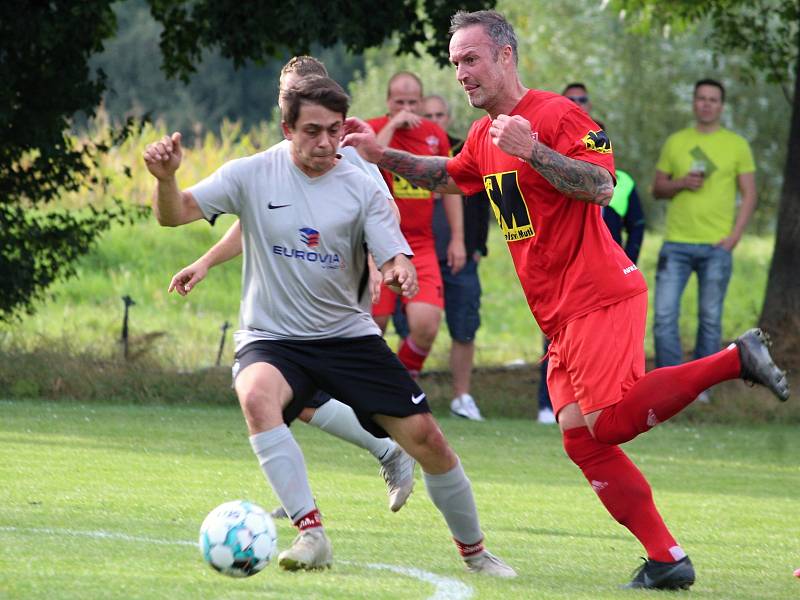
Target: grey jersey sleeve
[
  {"x": 218, "y": 193},
  {"x": 382, "y": 231}
]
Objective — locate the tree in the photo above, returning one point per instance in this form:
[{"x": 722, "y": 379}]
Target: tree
[
  {"x": 43, "y": 66},
  {"x": 45, "y": 52},
  {"x": 768, "y": 31}
]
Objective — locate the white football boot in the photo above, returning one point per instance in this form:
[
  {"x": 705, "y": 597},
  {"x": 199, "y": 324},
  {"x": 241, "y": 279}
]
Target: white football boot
[
  {"x": 311, "y": 549},
  {"x": 397, "y": 470}
]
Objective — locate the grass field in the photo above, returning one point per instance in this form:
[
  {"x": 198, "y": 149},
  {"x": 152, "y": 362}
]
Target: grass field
[{"x": 100, "y": 501}]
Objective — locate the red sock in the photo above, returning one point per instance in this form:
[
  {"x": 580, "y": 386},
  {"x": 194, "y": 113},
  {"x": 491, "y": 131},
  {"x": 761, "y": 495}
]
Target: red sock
[
  {"x": 662, "y": 393},
  {"x": 624, "y": 492},
  {"x": 467, "y": 550},
  {"x": 412, "y": 356},
  {"x": 309, "y": 520}
]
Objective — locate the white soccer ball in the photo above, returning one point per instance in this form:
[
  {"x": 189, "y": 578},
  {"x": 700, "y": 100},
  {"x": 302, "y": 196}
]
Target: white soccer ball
[{"x": 238, "y": 538}]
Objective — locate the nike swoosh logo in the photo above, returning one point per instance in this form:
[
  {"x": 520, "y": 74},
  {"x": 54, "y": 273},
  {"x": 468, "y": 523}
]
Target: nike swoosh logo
[
  {"x": 417, "y": 399},
  {"x": 271, "y": 205}
]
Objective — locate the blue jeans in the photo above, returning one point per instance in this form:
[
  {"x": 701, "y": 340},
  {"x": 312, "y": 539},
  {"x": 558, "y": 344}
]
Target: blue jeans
[{"x": 676, "y": 262}]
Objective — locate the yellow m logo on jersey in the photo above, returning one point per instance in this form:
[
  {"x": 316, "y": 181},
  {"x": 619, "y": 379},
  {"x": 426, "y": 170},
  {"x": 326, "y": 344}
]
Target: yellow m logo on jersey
[{"x": 508, "y": 205}]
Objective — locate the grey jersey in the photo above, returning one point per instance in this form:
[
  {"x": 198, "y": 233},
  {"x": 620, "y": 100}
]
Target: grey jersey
[
  {"x": 352, "y": 155},
  {"x": 304, "y": 242}
]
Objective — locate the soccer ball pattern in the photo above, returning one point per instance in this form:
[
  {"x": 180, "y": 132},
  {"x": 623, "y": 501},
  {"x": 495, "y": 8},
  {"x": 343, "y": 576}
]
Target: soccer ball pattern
[{"x": 238, "y": 538}]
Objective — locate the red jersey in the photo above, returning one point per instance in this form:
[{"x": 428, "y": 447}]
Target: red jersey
[
  {"x": 415, "y": 203},
  {"x": 566, "y": 260}
]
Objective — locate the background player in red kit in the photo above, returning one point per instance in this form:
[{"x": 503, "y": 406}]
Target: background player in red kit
[
  {"x": 548, "y": 169},
  {"x": 403, "y": 128}
]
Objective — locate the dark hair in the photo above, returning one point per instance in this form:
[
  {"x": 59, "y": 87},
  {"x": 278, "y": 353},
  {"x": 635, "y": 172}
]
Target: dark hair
[
  {"x": 576, "y": 84},
  {"x": 494, "y": 24},
  {"x": 323, "y": 91},
  {"x": 400, "y": 75},
  {"x": 712, "y": 82},
  {"x": 304, "y": 65}
]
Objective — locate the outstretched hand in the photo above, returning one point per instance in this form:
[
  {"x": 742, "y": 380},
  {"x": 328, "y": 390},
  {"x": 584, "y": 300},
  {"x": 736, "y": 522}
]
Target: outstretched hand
[
  {"x": 360, "y": 135},
  {"x": 184, "y": 280},
  {"x": 164, "y": 156}
]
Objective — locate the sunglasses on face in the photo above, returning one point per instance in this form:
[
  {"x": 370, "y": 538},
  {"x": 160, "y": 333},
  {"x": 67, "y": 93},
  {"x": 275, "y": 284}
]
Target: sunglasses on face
[{"x": 579, "y": 99}]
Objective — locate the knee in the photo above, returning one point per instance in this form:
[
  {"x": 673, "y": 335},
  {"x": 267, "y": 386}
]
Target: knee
[
  {"x": 431, "y": 438},
  {"x": 259, "y": 410},
  {"x": 424, "y": 332}
]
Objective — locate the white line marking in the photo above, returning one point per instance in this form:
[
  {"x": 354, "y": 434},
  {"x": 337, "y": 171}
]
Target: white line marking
[
  {"x": 100, "y": 535},
  {"x": 446, "y": 588}
]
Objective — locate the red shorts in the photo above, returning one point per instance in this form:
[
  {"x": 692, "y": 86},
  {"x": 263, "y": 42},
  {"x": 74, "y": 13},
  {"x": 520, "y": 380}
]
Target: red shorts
[
  {"x": 430, "y": 284},
  {"x": 596, "y": 358}
]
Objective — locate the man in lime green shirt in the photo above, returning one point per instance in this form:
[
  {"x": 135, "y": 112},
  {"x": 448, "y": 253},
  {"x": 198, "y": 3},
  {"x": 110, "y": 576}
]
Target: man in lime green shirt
[{"x": 700, "y": 170}]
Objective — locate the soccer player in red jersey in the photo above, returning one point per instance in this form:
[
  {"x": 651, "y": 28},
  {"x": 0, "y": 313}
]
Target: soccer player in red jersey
[
  {"x": 403, "y": 128},
  {"x": 548, "y": 169}
]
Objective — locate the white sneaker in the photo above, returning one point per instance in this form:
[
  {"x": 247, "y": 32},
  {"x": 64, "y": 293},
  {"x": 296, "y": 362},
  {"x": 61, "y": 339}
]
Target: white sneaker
[
  {"x": 397, "y": 470},
  {"x": 546, "y": 417},
  {"x": 309, "y": 550},
  {"x": 464, "y": 406},
  {"x": 487, "y": 563}
]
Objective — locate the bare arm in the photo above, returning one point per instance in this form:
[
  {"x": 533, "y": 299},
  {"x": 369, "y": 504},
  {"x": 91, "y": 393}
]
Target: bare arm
[
  {"x": 665, "y": 188},
  {"x": 429, "y": 172},
  {"x": 228, "y": 247},
  {"x": 575, "y": 179},
  {"x": 171, "y": 206},
  {"x": 454, "y": 210},
  {"x": 747, "y": 188}
]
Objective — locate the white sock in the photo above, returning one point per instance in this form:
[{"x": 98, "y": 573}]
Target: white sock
[
  {"x": 338, "y": 419},
  {"x": 451, "y": 492},
  {"x": 282, "y": 462}
]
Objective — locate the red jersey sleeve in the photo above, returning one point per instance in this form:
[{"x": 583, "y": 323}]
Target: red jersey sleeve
[
  {"x": 581, "y": 138},
  {"x": 463, "y": 167}
]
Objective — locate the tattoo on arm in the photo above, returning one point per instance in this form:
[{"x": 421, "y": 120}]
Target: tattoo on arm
[
  {"x": 574, "y": 178},
  {"x": 429, "y": 172}
]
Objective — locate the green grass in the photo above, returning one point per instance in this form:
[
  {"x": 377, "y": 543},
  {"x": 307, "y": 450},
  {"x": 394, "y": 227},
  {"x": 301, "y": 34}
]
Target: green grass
[{"x": 730, "y": 494}]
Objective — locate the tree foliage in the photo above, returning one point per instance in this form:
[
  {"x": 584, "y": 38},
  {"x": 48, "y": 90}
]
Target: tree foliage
[
  {"x": 216, "y": 91},
  {"x": 258, "y": 30},
  {"x": 43, "y": 66}
]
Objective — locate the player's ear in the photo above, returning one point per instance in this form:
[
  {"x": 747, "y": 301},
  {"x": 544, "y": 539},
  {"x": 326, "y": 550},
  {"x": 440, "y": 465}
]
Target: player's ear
[{"x": 287, "y": 133}]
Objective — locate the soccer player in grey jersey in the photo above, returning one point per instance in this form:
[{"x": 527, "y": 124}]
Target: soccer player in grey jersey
[
  {"x": 322, "y": 411},
  {"x": 306, "y": 217}
]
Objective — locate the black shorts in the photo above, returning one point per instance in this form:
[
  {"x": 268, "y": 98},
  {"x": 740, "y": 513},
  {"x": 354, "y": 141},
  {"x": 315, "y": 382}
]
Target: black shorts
[{"x": 361, "y": 372}]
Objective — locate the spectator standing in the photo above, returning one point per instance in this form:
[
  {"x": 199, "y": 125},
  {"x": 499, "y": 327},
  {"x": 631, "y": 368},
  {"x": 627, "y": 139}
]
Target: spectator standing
[
  {"x": 403, "y": 128},
  {"x": 699, "y": 171},
  {"x": 462, "y": 289}
]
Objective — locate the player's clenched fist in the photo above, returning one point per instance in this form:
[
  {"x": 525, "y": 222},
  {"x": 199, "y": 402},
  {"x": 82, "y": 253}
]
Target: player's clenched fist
[
  {"x": 512, "y": 135},
  {"x": 164, "y": 156}
]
